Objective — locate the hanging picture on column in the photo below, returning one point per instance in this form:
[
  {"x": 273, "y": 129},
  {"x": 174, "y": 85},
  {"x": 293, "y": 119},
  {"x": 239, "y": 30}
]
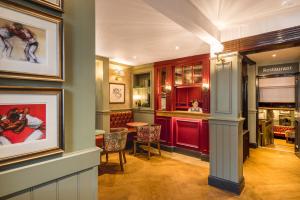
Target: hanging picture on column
[
  {"x": 30, "y": 44},
  {"x": 116, "y": 93},
  {"x": 30, "y": 123}
]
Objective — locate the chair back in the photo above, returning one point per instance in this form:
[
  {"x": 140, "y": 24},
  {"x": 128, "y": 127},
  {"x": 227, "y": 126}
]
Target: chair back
[
  {"x": 115, "y": 140},
  {"x": 150, "y": 133}
]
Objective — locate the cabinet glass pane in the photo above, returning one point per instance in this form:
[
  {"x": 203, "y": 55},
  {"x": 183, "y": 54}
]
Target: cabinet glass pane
[
  {"x": 178, "y": 75},
  {"x": 187, "y": 75},
  {"x": 163, "y": 76},
  {"x": 197, "y": 74}
]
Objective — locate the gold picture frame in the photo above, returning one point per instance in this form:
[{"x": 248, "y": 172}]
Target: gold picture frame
[
  {"x": 31, "y": 147},
  {"x": 57, "y": 5},
  {"x": 45, "y": 30}
]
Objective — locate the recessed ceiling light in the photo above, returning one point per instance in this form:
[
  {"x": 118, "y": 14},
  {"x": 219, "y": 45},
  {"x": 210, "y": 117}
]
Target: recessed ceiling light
[
  {"x": 287, "y": 3},
  {"x": 177, "y": 48},
  {"x": 134, "y": 57},
  {"x": 274, "y": 55}
]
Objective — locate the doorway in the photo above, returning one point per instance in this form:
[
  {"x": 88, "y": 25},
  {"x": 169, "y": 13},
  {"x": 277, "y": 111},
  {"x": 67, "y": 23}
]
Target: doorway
[{"x": 275, "y": 76}]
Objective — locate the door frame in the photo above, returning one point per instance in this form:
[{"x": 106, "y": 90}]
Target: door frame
[{"x": 297, "y": 128}]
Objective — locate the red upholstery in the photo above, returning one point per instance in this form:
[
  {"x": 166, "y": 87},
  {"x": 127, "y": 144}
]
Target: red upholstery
[
  {"x": 280, "y": 130},
  {"x": 120, "y": 119},
  {"x": 99, "y": 141}
]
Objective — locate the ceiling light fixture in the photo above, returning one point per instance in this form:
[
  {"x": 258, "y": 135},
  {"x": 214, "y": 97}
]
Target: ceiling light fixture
[
  {"x": 274, "y": 55},
  {"x": 287, "y": 3},
  {"x": 177, "y": 48},
  {"x": 134, "y": 57}
]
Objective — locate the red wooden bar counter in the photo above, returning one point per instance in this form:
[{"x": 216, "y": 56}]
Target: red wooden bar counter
[{"x": 177, "y": 83}]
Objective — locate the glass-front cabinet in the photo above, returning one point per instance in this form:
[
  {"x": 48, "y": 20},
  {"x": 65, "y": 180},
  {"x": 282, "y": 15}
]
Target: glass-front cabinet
[
  {"x": 179, "y": 83},
  {"x": 197, "y": 74},
  {"x": 188, "y": 75}
]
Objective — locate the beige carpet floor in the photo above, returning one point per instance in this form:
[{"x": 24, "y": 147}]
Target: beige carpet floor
[{"x": 269, "y": 175}]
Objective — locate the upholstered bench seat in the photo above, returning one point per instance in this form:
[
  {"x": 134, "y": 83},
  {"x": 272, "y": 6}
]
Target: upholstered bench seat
[
  {"x": 279, "y": 131},
  {"x": 120, "y": 119}
]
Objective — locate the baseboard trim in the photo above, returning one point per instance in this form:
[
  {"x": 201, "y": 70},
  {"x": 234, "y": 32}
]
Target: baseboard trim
[
  {"x": 253, "y": 145},
  {"x": 227, "y": 185},
  {"x": 186, "y": 152},
  {"x": 167, "y": 148}
]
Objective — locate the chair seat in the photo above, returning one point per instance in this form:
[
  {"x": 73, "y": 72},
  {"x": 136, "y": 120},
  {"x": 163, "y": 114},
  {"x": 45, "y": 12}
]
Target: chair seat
[{"x": 99, "y": 140}]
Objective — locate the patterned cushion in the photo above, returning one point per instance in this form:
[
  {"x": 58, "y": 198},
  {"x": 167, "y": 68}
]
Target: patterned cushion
[
  {"x": 120, "y": 119},
  {"x": 149, "y": 133},
  {"x": 115, "y": 140}
]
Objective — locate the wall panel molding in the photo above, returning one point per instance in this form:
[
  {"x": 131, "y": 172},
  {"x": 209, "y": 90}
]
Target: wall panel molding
[
  {"x": 47, "y": 171},
  {"x": 223, "y": 79}
]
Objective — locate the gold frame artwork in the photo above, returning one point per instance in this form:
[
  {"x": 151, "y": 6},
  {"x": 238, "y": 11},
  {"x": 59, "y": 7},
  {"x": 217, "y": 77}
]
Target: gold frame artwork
[
  {"x": 47, "y": 151},
  {"x": 58, "y": 55}
]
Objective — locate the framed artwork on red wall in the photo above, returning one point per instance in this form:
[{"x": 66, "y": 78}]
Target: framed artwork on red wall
[{"x": 30, "y": 123}]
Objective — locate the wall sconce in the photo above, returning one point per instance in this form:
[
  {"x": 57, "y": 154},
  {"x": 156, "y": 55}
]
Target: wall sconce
[
  {"x": 118, "y": 74},
  {"x": 205, "y": 87},
  {"x": 168, "y": 88}
]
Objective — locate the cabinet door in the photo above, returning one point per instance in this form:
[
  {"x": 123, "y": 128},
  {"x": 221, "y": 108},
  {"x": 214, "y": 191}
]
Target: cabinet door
[
  {"x": 187, "y": 133},
  {"x": 178, "y": 75},
  {"x": 204, "y": 134},
  {"x": 165, "y": 135},
  {"x": 163, "y": 79},
  {"x": 197, "y": 74},
  {"x": 187, "y": 75}
]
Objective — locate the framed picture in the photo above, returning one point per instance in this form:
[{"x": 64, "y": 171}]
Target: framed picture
[
  {"x": 116, "y": 93},
  {"x": 55, "y": 4},
  {"x": 30, "y": 123},
  {"x": 30, "y": 44}
]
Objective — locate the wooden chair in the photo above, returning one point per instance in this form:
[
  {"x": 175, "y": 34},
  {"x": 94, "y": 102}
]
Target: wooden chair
[
  {"x": 148, "y": 135},
  {"x": 115, "y": 142}
]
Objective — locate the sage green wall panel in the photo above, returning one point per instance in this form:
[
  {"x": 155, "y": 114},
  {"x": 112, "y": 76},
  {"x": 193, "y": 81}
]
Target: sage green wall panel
[
  {"x": 80, "y": 90},
  {"x": 45, "y": 192},
  {"x": 79, "y": 104},
  {"x": 67, "y": 188},
  {"x": 86, "y": 184}
]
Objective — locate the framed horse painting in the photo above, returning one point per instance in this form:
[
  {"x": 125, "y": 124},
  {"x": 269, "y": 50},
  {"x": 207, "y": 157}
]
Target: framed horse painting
[
  {"x": 55, "y": 4},
  {"x": 30, "y": 44},
  {"x": 30, "y": 123}
]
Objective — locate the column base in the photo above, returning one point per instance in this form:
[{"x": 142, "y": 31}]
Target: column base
[{"x": 227, "y": 185}]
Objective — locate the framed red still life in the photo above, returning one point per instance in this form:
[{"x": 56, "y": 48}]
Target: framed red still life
[{"x": 30, "y": 123}]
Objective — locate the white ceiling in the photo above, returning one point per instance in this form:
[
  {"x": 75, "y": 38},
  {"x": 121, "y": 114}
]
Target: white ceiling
[
  {"x": 132, "y": 32},
  {"x": 227, "y": 13},
  {"x": 128, "y": 28},
  {"x": 281, "y": 56}
]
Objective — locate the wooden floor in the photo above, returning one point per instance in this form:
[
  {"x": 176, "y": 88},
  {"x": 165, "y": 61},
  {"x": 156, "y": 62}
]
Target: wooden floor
[
  {"x": 269, "y": 174},
  {"x": 282, "y": 145}
]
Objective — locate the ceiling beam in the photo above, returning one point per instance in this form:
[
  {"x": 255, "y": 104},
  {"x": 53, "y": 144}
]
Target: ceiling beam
[{"x": 185, "y": 14}]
